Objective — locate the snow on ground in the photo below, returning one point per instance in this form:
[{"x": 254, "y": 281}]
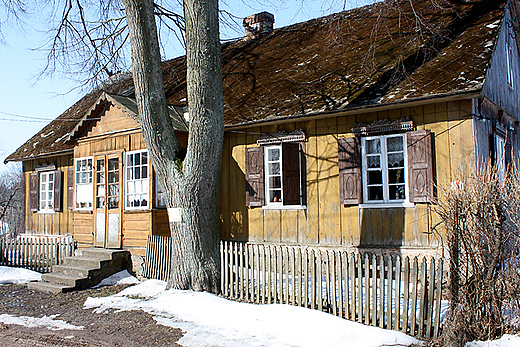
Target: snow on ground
[
  {"x": 44, "y": 322},
  {"x": 505, "y": 341},
  {"x": 209, "y": 320},
  {"x": 15, "y": 275}
]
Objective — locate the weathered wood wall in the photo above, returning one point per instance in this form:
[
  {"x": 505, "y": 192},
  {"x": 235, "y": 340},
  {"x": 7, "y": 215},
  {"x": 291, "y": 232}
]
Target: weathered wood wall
[
  {"x": 53, "y": 223},
  {"x": 325, "y": 221}
]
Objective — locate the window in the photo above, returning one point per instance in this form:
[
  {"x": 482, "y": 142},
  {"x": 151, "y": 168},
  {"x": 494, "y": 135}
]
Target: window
[
  {"x": 84, "y": 187},
  {"x": 386, "y": 169},
  {"x": 47, "y": 191},
  {"x": 275, "y": 175},
  {"x": 159, "y": 194},
  {"x": 384, "y": 176},
  {"x": 509, "y": 65},
  {"x": 137, "y": 193}
]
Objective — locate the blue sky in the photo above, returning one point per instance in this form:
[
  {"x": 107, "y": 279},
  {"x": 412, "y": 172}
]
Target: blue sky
[{"x": 23, "y": 97}]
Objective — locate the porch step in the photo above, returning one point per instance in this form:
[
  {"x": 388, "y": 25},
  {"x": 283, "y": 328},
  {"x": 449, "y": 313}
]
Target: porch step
[{"x": 88, "y": 268}]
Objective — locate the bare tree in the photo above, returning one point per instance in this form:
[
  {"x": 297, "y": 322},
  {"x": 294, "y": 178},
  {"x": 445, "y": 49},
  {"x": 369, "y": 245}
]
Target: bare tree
[{"x": 11, "y": 201}]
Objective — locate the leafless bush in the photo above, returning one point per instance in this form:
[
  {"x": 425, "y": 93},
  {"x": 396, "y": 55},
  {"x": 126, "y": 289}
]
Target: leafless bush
[
  {"x": 11, "y": 202},
  {"x": 481, "y": 216}
]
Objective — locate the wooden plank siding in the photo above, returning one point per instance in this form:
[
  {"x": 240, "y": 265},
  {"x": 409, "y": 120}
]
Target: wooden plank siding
[{"x": 324, "y": 220}]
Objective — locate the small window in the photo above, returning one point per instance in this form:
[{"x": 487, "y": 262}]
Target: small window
[
  {"x": 46, "y": 191},
  {"x": 273, "y": 175},
  {"x": 384, "y": 169},
  {"x": 159, "y": 194},
  {"x": 137, "y": 194},
  {"x": 509, "y": 64},
  {"x": 84, "y": 186}
]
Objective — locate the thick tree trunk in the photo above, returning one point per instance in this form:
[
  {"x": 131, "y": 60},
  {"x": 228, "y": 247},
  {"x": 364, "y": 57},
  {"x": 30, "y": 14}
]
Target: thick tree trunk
[
  {"x": 196, "y": 239},
  {"x": 193, "y": 189}
]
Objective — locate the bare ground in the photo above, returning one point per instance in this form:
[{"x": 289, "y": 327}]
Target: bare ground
[{"x": 128, "y": 328}]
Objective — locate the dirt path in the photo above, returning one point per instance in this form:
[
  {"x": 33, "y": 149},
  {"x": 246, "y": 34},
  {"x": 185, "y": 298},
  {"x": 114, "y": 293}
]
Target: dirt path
[{"x": 130, "y": 328}]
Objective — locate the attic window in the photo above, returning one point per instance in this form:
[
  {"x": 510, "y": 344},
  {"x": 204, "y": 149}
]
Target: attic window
[{"x": 509, "y": 65}]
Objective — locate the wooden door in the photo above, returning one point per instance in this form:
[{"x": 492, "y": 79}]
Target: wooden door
[{"x": 108, "y": 201}]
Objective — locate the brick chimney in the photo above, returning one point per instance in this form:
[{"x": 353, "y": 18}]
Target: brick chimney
[{"x": 258, "y": 25}]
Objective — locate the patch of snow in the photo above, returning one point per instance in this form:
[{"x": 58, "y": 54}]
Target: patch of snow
[
  {"x": 14, "y": 275},
  {"x": 44, "y": 322},
  {"x": 488, "y": 44},
  {"x": 505, "y": 341},
  {"x": 61, "y": 138},
  {"x": 210, "y": 320},
  {"x": 493, "y": 25},
  {"x": 48, "y": 134},
  {"x": 122, "y": 277}
]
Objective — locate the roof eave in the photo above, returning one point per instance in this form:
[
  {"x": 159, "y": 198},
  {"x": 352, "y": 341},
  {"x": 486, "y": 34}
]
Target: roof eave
[
  {"x": 52, "y": 154},
  {"x": 458, "y": 95}
]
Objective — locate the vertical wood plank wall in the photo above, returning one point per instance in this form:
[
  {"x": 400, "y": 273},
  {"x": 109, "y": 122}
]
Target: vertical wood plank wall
[{"x": 325, "y": 221}]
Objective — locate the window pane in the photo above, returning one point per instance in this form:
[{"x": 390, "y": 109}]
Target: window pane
[
  {"x": 373, "y": 146},
  {"x": 274, "y": 154},
  {"x": 274, "y": 168},
  {"x": 396, "y": 192},
  {"x": 374, "y": 161},
  {"x": 137, "y": 159},
  {"x": 113, "y": 164},
  {"x": 144, "y": 158},
  {"x": 275, "y": 196},
  {"x": 396, "y": 160},
  {"x": 144, "y": 172},
  {"x": 137, "y": 173},
  {"x": 130, "y": 160},
  {"x": 396, "y": 176},
  {"x": 375, "y": 177},
  {"x": 394, "y": 144},
  {"x": 129, "y": 174},
  {"x": 275, "y": 182},
  {"x": 375, "y": 193}
]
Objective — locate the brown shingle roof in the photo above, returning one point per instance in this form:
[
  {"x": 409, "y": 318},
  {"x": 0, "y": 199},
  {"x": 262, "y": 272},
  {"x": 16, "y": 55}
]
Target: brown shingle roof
[{"x": 377, "y": 54}]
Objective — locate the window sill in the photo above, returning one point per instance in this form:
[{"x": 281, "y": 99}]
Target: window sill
[
  {"x": 137, "y": 210},
  {"x": 387, "y": 205},
  {"x": 284, "y": 207},
  {"x": 46, "y": 212}
]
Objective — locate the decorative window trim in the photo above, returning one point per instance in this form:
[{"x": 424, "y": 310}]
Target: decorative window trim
[
  {"x": 84, "y": 185},
  {"x": 382, "y": 127},
  {"x": 281, "y": 136},
  {"x": 144, "y": 181}
]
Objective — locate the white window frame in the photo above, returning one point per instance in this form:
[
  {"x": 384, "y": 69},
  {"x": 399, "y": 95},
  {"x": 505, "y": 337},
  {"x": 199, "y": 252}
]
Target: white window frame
[
  {"x": 509, "y": 65},
  {"x": 144, "y": 182},
  {"x": 46, "y": 190},
  {"x": 500, "y": 156},
  {"x": 84, "y": 183},
  {"x": 267, "y": 175},
  {"x": 386, "y": 201}
]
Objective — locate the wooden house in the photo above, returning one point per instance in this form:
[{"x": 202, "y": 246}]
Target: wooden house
[{"x": 337, "y": 131}]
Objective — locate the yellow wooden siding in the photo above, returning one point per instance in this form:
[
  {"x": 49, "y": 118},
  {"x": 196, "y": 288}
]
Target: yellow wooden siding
[
  {"x": 325, "y": 221},
  {"x": 83, "y": 229}
]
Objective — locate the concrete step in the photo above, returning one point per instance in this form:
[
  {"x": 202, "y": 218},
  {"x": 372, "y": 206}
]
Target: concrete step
[
  {"x": 49, "y": 287},
  {"x": 93, "y": 263},
  {"x": 68, "y": 280},
  {"x": 101, "y": 253},
  {"x": 74, "y": 270}
]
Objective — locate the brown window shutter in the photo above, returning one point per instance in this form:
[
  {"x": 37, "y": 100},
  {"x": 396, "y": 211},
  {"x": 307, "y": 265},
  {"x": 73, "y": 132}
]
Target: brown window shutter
[
  {"x": 57, "y": 190},
  {"x": 420, "y": 167},
  {"x": 34, "y": 191},
  {"x": 291, "y": 173},
  {"x": 349, "y": 162},
  {"x": 255, "y": 176},
  {"x": 70, "y": 188}
]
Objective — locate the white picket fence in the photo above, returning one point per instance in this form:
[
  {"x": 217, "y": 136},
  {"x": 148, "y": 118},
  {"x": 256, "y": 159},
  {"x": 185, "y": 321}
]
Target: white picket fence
[
  {"x": 383, "y": 291},
  {"x": 36, "y": 252}
]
